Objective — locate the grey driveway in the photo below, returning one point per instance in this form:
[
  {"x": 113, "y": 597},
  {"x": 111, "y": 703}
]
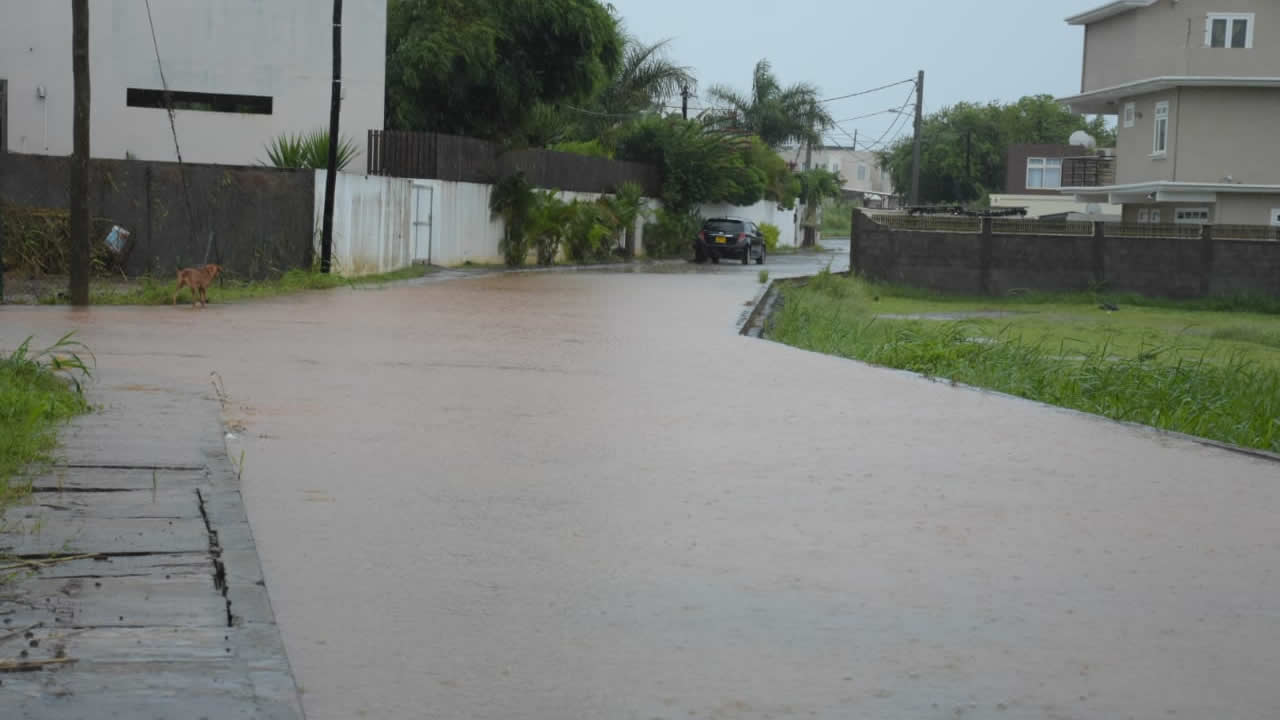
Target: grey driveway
[{"x": 581, "y": 495}]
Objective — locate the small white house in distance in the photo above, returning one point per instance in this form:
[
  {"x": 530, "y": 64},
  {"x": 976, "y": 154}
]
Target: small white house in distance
[{"x": 241, "y": 72}]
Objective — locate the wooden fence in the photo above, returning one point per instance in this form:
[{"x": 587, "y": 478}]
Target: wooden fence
[{"x": 435, "y": 156}]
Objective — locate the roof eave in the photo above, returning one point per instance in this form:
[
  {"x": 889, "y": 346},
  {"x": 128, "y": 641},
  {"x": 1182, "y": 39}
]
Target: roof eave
[{"x": 1111, "y": 9}]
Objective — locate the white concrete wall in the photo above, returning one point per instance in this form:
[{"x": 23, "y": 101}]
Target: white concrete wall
[
  {"x": 372, "y": 223},
  {"x": 765, "y": 211},
  {"x": 1039, "y": 205},
  {"x": 277, "y": 48}
]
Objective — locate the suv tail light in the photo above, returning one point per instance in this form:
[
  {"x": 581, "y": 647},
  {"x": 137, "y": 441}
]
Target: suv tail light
[
  {"x": 742, "y": 236},
  {"x": 702, "y": 235}
]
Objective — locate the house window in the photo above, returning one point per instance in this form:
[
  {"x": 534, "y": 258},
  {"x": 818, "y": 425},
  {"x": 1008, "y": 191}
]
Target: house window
[
  {"x": 862, "y": 172},
  {"x": 1275, "y": 217},
  {"x": 1155, "y": 216},
  {"x": 1144, "y": 215},
  {"x": 206, "y": 102},
  {"x": 1229, "y": 30},
  {"x": 1044, "y": 173},
  {"x": 1191, "y": 216},
  {"x": 1130, "y": 114},
  {"x": 1160, "y": 143}
]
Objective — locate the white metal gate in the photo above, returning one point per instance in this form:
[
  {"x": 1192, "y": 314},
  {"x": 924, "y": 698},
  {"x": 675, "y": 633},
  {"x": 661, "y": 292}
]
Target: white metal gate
[{"x": 423, "y": 195}]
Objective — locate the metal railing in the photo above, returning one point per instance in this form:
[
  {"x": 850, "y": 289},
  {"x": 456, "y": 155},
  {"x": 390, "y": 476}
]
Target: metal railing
[
  {"x": 1151, "y": 230},
  {"x": 1000, "y": 226},
  {"x": 1246, "y": 232},
  {"x": 934, "y": 223},
  {"x": 1089, "y": 171}
]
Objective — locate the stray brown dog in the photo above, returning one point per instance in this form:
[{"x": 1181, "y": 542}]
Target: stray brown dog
[{"x": 198, "y": 279}]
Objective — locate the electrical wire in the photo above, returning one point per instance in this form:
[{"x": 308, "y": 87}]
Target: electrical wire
[
  {"x": 177, "y": 148},
  {"x": 868, "y": 92}
]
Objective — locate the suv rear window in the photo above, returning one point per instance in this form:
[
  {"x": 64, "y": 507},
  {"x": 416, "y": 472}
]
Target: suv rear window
[{"x": 724, "y": 227}]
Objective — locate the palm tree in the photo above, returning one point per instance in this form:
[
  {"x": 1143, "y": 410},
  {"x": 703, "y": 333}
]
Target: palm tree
[
  {"x": 779, "y": 115},
  {"x": 646, "y": 81}
]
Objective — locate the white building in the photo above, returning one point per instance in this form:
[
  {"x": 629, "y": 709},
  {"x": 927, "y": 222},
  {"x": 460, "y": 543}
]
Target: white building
[
  {"x": 860, "y": 169},
  {"x": 242, "y": 72}
]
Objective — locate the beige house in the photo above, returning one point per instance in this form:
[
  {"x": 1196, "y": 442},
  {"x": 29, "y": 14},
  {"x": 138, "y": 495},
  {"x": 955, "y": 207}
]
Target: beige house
[
  {"x": 860, "y": 169},
  {"x": 1195, "y": 88}
]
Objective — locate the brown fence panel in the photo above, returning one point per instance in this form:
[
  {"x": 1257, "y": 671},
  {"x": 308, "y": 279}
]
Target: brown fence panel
[{"x": 436, "y": 156}]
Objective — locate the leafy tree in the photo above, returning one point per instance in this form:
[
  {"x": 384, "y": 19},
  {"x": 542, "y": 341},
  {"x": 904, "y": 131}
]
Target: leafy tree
[
  {"x": 699, "y": 164},
  {"x": 777, "y": 114},
  {"x": 627, "y": 206},
  {"x": 816, "y": 185},
  {"x": 479, "y": 67},
  {"x": 989, "y": 129},
  {"x": 548, "y": 224},
  {"x": 644, "y": 82}
]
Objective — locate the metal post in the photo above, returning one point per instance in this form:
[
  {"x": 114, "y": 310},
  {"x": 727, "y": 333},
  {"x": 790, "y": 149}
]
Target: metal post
[
  {"x": 80, "y": 156},
  {"x": 915, "y": 152},
  {"x": 684, "y": 101},
  {"x": 331, "y": 175}
]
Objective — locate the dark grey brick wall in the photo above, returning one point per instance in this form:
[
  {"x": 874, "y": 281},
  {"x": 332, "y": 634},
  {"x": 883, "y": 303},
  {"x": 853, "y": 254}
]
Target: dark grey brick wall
[
  {"x": 996, "y": 263},
  {"x": 261, "y": 219}
]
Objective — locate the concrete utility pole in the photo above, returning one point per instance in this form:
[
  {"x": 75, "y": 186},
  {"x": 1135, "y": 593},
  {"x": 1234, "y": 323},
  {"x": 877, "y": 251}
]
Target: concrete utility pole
[
  {"x": 915, "y": 151},
  {"x": 684, "y": 101},
  {"x": 335, "y": 113},
  {"x": 80, "y": 155}
]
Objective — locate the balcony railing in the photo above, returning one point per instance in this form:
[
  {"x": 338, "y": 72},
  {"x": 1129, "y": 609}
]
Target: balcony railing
[{"x": 1089, "y": 171}]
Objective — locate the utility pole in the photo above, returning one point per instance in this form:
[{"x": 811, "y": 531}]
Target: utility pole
[
  {"x": 80, "y": 154},
  {"x": 335, "y": 112},
  {"x": 684, "y": 101},
  {"x": 968, "y": 166},
  {"x": 915, "y": 151}
]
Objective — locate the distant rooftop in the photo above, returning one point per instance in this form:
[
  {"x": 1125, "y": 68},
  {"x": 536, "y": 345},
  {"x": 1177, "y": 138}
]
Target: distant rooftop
[{"x": 1111, "y": 9}]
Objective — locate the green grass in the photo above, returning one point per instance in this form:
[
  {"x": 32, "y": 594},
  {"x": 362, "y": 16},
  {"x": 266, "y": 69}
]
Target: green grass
[
  {"x": 1172, "y": 365},
  {"x": 151, "y": 291},
  {"x": 39, "y": 390}
]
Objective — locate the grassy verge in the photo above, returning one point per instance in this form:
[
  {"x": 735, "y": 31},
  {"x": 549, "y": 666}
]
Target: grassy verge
[
  {"x": 150, "y": 291},
  {"x": 1188, "y": 367},
  {"x": 39, "y": 390}
]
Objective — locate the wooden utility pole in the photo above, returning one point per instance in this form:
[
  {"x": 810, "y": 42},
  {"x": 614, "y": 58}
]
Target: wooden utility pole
[
  {"x": 80, "y": 155},
  {"x": 684, "y": 101},
  {"x": 335, "y": 112},
  {"x": 915, "y": 151}
]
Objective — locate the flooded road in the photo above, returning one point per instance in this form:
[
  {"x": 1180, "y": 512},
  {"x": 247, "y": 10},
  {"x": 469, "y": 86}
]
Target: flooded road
[{"x": 581, "y": 495}]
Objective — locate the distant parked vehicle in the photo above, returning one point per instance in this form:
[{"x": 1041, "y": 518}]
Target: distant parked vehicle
[{"x": 729, "y": 238}]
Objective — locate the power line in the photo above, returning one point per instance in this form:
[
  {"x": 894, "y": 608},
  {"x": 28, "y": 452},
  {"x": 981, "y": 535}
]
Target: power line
[
  {"x": 864, "y": 117},
  {"x": 868, "y": 92},
  {"x": 177, "y": 149},
  {"x": 901, "y": 115}
]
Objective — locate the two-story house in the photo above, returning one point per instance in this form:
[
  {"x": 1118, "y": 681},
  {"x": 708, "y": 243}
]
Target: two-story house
[
  {"x": 1037, "y": 172},
  {"x": 240, "y": 73},
  {"x": 1195, "y": 89},
  {"x": 863, "y": 176}
]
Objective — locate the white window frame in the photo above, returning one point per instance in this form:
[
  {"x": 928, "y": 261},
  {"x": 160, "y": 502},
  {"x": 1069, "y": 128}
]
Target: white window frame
[
  {"x": 1130, "y": 114},
  {"x": 1160, "y": 134},
  {"x": 1179, "y": 216},
  {"x": 1144, "y": 216},
  {"x": 862, "y": 171},
  {"x": 1155, "y": 216},
  {"x": 1230, "y": 19},
  {"x": 1275, "y": 217},
  {"x": 1043, "y": 164}
]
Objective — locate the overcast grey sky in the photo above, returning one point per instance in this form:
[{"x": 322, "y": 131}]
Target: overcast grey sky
[{"x": 976, "y": 50}]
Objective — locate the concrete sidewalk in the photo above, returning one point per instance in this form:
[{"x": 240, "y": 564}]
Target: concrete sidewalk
[{"x": 165, "y": 613}]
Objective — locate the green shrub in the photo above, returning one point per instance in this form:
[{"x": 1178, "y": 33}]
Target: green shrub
[
  {"x": 589, "y": 148},
  {"x": 514, "y": 200},
  {"x": 308, "y": 151},
  {"x": 549, "y": 224},
  {"x": 38, "y": 241},
  {"x": 672, "y": 235},
  {"x": 771, "y": 233},
  {"x": 590, "y": 233}
]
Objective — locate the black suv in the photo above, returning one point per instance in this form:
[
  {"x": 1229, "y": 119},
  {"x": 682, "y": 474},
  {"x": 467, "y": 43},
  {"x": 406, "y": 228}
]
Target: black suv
[{"x": 729, "y": 237}]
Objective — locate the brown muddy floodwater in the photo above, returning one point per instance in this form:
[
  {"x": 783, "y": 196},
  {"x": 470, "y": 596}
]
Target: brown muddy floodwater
[{"x": 581, "y": 495}]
